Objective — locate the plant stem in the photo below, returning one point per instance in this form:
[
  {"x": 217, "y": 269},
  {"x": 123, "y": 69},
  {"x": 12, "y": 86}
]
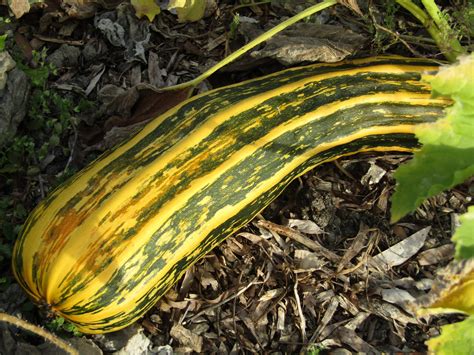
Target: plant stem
[
  {"x": 38, "y": 331},
  {"x": 262, "y": 38},
  {"x": 439, "y": 34},
  {"x": 443, "y": 25}
]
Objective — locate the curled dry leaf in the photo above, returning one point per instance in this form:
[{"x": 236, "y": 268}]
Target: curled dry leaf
[
  {"x": 400, "y": 252},
  {"x": 187, "y": 338},
  {"x": 305, "y": 226},
  {"x": 80, "y": 9},
  {"x": 308, "y": 261},
  {"x": 453, "y": 292},
  {"x": 436, "y": 255},
  {"x": 311, "y": 42},
  {"x": 19, "y": 7},
  {"x": 373, "y": 175},
  {"x": 349, "y": 337},
  {"x": 397, "y": 296},
  {"x": 351, "y": 4}
]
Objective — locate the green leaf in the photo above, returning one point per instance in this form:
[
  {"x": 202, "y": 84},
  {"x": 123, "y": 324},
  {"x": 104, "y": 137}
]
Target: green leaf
[
  {"x": 188, "y": 10},
  {"x": 38, "y": 76},
  {"x": 147, "y": 8},
  {"x": 457, "y": 338},
  {"x": 3, "y": 39},
  {"x": 464, "y": 236},
  {"x": 447, "y": 155}
]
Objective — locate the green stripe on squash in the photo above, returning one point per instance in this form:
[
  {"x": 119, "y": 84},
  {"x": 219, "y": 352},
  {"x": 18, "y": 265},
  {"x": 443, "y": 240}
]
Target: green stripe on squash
[{"x": 103, "y": 247}]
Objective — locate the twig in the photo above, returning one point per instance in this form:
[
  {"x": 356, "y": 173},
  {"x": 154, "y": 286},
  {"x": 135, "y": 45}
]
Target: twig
[
  {"x": 300, "y": 310},
  {"x": 309, "y": 243},
  {"x": 38, "y": 331},
  {"x": 217, "y": 305},
  {"x": 73, "y": 148},
  {"x": 58, "y": 40},
  {"x": 399, "y": 38}
]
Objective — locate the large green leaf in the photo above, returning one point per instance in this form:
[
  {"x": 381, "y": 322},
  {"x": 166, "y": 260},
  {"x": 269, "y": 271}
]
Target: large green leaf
[
  {"x": 447, "y": 155},
  {"x": 147, "y": 8},
  {"x": 457, "y": 338},
  {"x": 464, "y": 236}
]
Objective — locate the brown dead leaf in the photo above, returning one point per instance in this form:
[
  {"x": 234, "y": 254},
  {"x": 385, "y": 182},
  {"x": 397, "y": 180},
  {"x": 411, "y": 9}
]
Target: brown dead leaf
[
  {"x": 187, "y": 338},
  {"x": 151, "y": 103},
  {"x": 399, "y": 253},
  {"x": 373, "y": 175},
  {"x": 351, "y": 4},
  {"x": 19, "y": 7},
  {"x": 307, "y": 242},
  {"x": 308, "y": 261},
  {"x": 327, "y": 317},
  {"x": 349, "y": 337},
  {"x": 206, "y": 279},
  {"x": 305, "y": 226},
  {"x": 386, "y": 310},
  {"x": 311, "y": 42},
  {"x": 397, "y": 296},
  {"x": 436, "y": 255},
  {"x": 80, "y": 9},
  {"x": 356, "y": 246}
]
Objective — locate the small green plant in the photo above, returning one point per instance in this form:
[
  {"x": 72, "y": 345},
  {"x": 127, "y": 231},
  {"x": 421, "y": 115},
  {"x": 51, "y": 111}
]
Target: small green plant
[
  {"x": 59, "y": 325},
  {"x": 38, "y": 75},
  {"x": 43, "y": 136},
  {"x": 49, "y": 121},
  {"x": 234, "y": 25},
  {"x": 314, "y": 350},
  {"x": 3, "y": 39}
]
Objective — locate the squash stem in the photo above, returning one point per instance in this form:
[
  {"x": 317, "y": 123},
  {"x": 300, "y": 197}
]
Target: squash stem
[
  {"x": 262, "y": 38},
  {"x": 437, "y": 26}
]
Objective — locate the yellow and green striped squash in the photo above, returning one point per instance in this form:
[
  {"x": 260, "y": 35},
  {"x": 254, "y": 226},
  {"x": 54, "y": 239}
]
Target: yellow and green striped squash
[{"x": 104, "y": 246}]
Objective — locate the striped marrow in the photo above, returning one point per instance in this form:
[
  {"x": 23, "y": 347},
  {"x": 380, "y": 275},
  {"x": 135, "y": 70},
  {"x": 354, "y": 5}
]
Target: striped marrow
[{"x": 104, "y": 246}]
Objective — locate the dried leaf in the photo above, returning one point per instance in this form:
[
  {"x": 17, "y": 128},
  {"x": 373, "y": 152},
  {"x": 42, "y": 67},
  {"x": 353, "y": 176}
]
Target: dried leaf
[
  {"x": 357, "y": 245},
  {"x": 373, "y": 175},
  {"x": 80, "y": 9},
  {"x": 311, "y": 42},
  {"x": 351, "y": 4},
  {"x": 349, "y": 337},
  {"x": 20, "y": 7},
  {"x": 305, "y": 226},
  {"x": 206, "y": 280},
  {"x": 307, "y": 260},
  {"x": 387, "y": 311},
  {"x": 187, "y": 338},
  {"x": 397, "y": 296},
  {"x": 436, "y": 255},
  {"x": 402, "y": 251}
]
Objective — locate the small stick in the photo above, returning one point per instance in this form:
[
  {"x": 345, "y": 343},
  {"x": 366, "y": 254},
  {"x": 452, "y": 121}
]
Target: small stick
[{"x": 38, "y": 331}]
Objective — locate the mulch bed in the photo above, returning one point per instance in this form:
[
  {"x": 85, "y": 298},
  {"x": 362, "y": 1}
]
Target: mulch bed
[{"x": 303, "y": 275}]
